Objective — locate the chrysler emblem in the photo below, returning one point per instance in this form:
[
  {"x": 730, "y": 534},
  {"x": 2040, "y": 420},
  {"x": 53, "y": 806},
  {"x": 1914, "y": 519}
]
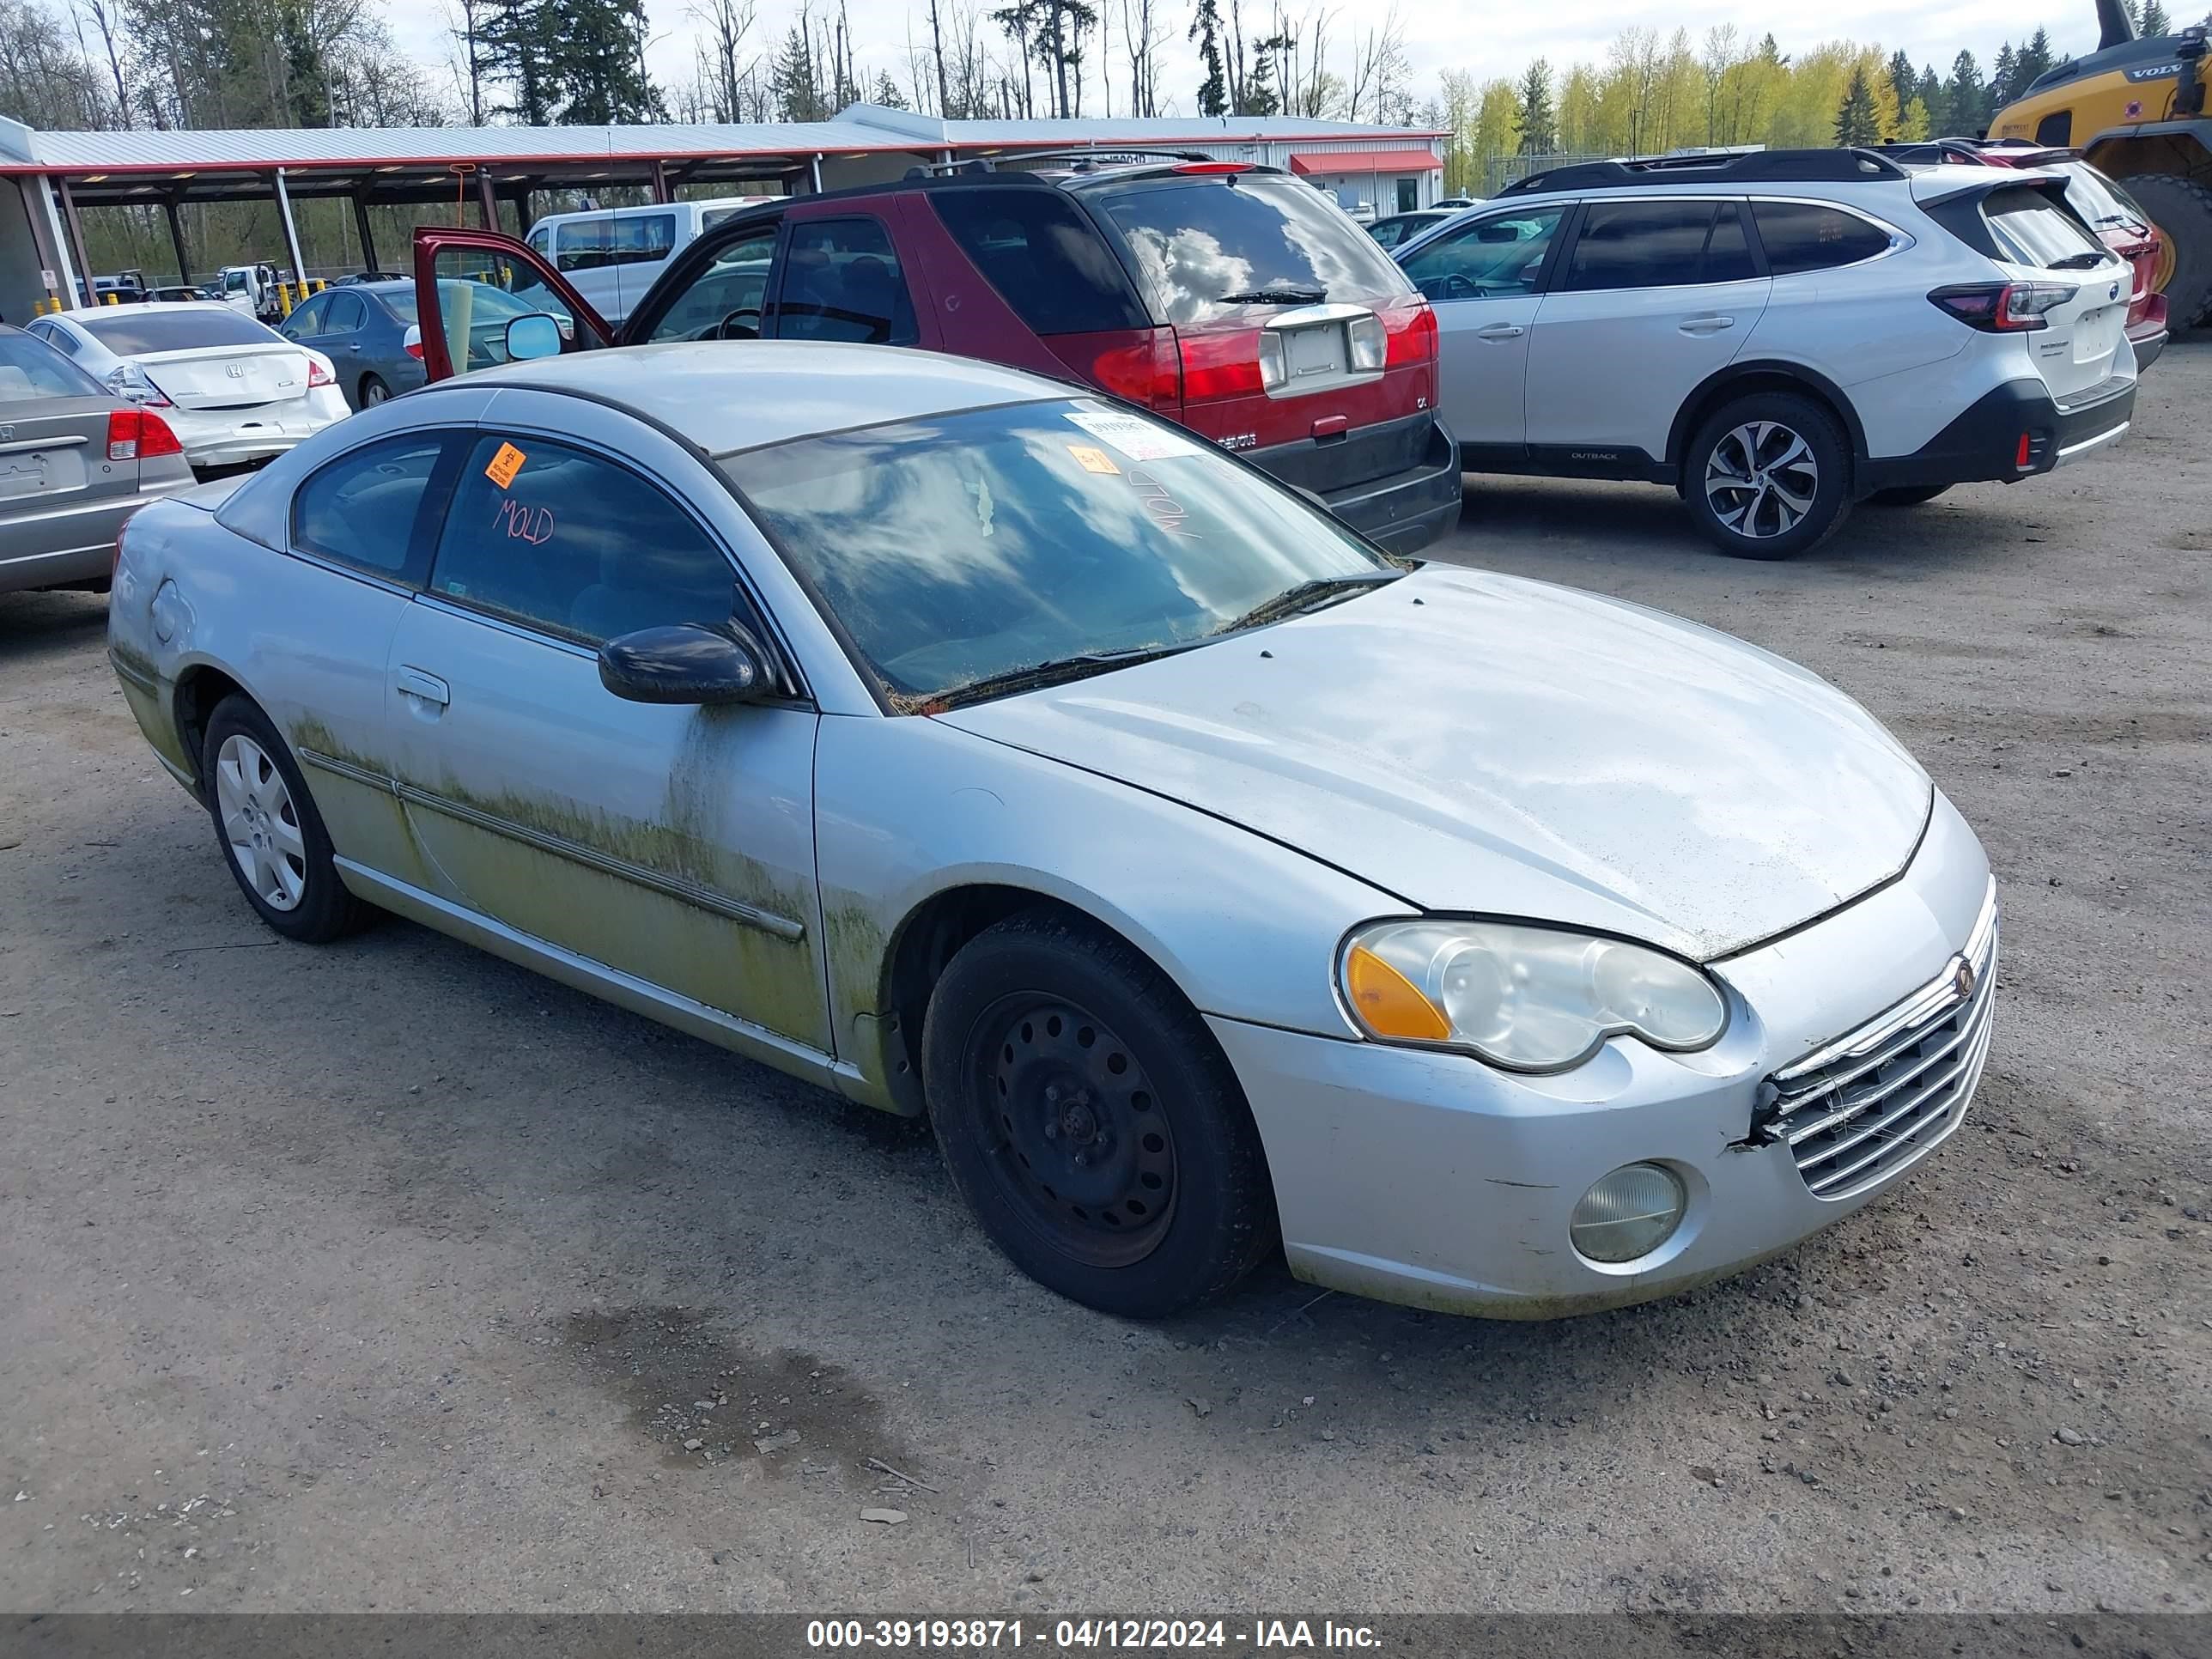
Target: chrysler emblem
[
  {"x": 236, "y": 371},
  {"x": 1962, "y": 979}
]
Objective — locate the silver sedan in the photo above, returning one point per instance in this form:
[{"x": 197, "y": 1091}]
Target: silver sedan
[{"x": 972, "y": 746}]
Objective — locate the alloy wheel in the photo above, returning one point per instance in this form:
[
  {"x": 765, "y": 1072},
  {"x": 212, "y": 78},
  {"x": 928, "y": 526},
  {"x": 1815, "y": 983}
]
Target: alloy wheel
[
  {"x": 1761, "y": 479},
  {"x": 1079, "y": 1143},
  {"x": 260, "y": 824}
]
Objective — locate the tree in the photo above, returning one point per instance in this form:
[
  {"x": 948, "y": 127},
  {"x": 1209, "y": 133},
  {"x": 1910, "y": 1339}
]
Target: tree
[
  {"x": 1904, "y": 81},
  {"x": 1205, "y": 29},
  {"x": 795, "y": 81},
  {"x": 1540, "y": 126},
  {"x": 598, "y": 64},
  {"x": 2002, "y": 82},
  {"x": 2154, "y": 22},
  {"x": 2035, "y": 58},
  {"x": 1856, "y": 122},
  {"x": 1966, "y": 101}
]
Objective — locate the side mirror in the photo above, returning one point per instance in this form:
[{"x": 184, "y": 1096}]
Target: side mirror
[
  {"x": 684, "y": 663},
  {"x": 537, "y": 335}
]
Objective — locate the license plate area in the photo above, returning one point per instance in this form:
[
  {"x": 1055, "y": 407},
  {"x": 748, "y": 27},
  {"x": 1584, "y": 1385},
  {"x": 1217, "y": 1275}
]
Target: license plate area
[
  {"x": 29, "y": 474},
  {"x": 2097, "y": 333},
  {"x": 1315, "y": 342}
]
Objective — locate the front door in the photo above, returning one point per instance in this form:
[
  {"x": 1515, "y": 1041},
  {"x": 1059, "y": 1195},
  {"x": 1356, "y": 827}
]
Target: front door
[
  {"x": 471, "y": 284},
  {"x": 1486, "y": 279},
  {"x": 841, "y": 278},
  {"x": 1656, "y": 295},
  {"x": 673, "y": 844}
]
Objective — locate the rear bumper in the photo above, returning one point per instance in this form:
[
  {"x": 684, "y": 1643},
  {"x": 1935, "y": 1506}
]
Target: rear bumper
[
  {"x": 1985, "y": 444},
  {"x": 2146, "y": 334},
  {"x": 61, "y": 546},
  {"x": 1403, "y": 510},
  {"x": 223, "y": 437}
]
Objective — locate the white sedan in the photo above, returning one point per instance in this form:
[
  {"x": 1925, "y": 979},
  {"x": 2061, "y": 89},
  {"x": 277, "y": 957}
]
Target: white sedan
[{"x": 230, "y": 389}]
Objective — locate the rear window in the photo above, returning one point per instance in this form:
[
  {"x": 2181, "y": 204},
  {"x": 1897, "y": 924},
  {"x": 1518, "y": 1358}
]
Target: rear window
[
  {"x": 1047, "y": 262},
  {"x": 31, "y": 369},
  {"x": 1211, "y": 247},
  {"x": 2100, "y": 200},
  {"x": 1803, "y": 236},
  {"x": 595, "y": 243},
  {"x": 131, "y": 333},
  {"x": 2031, "y": 229}
]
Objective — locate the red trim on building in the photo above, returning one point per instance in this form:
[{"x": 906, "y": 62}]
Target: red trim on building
[{"x": 1306, "y": 162}]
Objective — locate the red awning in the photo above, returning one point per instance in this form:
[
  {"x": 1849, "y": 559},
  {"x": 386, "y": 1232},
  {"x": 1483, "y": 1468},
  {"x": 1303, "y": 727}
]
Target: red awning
[{"x": 1308, "y": 161}]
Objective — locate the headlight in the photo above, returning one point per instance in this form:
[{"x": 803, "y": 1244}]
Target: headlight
[{"x": 1531, "y": 998}]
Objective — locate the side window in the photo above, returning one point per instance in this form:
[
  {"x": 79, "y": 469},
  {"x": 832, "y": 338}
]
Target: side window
[
  {"x": 842, "y": 281},
  {"x": 344, "y": 315},
  {"x": 642, "y": 238},
  {"x": 1801, "y": 236},
  {"x": 724, "y": 302},
  {"x": 479, "y": 293},
  {"x": 1639, "y": 245},
  {"x": 577, "y": 546},
  {"x": 372, "y": 507},
  {"x": 1727, "y": 247},
  {"x": 582, "y": 244},
  {"x": 541, "y": 238},
  {"x": 1490, "y": 259},
  {"x": 306, "y": 319},
  {"x": 1046, "y": 261},
  {"x": 60, "y": 339}
]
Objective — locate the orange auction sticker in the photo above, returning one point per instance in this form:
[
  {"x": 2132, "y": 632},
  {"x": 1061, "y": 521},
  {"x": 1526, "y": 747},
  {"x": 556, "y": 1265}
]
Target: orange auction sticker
[
  {"x": 505, "y": 464},
  {"x": 1092, "y": 460}
]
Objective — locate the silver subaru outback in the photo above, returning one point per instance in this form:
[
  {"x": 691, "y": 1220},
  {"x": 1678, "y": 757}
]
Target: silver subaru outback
[{"x": 978, "y": 748}]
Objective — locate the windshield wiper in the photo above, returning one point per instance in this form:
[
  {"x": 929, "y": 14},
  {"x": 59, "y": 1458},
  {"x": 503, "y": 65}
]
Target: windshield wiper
[
  {"x": 2077, "y": 262},
  {"x": 1277, "y": 296},
  {"x": 1053, "y": 671},
  {"x": 1307, "y": 596}
]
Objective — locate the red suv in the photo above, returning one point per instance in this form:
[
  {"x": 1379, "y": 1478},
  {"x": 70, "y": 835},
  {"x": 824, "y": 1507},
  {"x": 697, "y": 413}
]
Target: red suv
[{"x": 1233, "y": 299}]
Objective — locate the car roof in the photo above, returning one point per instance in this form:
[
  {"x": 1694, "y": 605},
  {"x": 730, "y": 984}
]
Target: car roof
[
  {"x": 721, "y": 395},
  {"x": 93, "y": 313}
]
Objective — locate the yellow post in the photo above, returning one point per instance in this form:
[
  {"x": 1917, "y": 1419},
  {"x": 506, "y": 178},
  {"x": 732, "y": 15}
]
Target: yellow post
[
  {"x": 317, "y": 285},
  {"x": 110, "y": 299},
  {"x": 284, "y": 298}
]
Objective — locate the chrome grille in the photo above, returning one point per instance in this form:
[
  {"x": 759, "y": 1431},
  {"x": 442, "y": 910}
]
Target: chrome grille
[{"x": 1868, "y": 1105}]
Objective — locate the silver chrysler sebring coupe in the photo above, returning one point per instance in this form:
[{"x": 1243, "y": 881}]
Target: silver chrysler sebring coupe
[{"x": 977, "y": 747}]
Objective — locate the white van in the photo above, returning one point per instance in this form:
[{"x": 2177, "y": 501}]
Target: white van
[{"x": 611, "y": 255}]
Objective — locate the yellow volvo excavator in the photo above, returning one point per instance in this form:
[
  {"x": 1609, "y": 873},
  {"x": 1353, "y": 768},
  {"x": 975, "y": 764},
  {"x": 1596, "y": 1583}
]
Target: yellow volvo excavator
[{"x": 2136, "y": 108}]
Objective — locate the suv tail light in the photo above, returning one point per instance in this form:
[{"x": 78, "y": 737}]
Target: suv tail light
[
  {"x": 134, "y": 434},
  {"x": 1409, "y": 330},
  {"x": 319, "y": 374},
  {"x": 1145, "y": 371},
  {"x": 2003, "y": 307},
  {"x": 1238, "y": 362}
]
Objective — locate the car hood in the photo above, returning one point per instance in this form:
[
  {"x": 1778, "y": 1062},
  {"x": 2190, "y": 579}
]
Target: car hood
[{"x": 1471, "y": 742}]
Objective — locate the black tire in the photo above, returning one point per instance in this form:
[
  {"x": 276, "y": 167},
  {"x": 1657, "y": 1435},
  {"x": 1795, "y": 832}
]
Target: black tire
[
  {"x": 373, "y": 392},
  {"x": 324, "y": 910},
  {"x": 1123, "y": 1171},
  {"x": 2182, "y": 210},
  {"x": 1907, "y": 494},
  {"x": 1780, "y": 417}
]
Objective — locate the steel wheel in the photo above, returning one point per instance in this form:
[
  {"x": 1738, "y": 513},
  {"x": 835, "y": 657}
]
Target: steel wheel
[
  {"x": 1761, "y": 479},
  {"x": 260, "y": 824},
  {"x": 1078, "y": 1146}
]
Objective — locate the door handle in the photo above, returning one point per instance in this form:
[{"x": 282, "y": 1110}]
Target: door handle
[
  {"x": 1706, "y": 324},
  {"x": 427, "y": 687},
  {"x": 1500, "y": 332},
  {"x": 354, "y": 345}
]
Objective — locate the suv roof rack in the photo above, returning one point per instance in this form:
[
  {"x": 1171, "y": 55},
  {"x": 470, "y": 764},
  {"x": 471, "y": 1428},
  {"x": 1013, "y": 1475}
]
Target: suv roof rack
[
  {"x": 1734, "y": 167},
  {"x": 1086, "y": 160}
]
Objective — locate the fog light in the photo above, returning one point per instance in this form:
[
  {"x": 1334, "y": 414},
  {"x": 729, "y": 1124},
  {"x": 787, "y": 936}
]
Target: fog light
[{"x": 1631, "y": 1212}]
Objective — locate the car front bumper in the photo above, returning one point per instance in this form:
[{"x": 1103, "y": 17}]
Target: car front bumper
[
  {"x": 2014, "y": 431},
  {"x": 1430, "y": 1179}
]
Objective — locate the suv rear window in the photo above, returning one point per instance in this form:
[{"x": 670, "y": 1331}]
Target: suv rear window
[
  {"x": 1200, "y": 244},
  {"x": 1047, "y": 262},
  {"x": 2100, "y": 200},
  {"x": 1802, "y": 236},
  {"x": 2031, "y": 229}
]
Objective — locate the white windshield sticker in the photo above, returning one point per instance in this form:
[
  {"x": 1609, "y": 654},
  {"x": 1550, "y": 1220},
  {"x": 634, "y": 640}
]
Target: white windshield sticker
[{"x": 1138, "y": 439}]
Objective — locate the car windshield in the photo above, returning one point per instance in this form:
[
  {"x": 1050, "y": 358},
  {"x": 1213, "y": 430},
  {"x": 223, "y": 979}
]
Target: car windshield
[
  {"x": 1209, "y": 248},
  {"x": 142, "y": 330},
  {"x": 969, "y": 547},
  {"x": 31, "y": 369}
]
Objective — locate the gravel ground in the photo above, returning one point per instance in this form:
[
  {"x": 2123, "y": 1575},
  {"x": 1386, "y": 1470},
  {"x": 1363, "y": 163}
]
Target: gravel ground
[{"x": 388, "y": 1276}]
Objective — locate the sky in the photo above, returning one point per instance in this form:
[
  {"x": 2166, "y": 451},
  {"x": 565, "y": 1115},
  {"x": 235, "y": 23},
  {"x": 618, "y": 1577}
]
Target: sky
[{"x": 1488, "y": 42}]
